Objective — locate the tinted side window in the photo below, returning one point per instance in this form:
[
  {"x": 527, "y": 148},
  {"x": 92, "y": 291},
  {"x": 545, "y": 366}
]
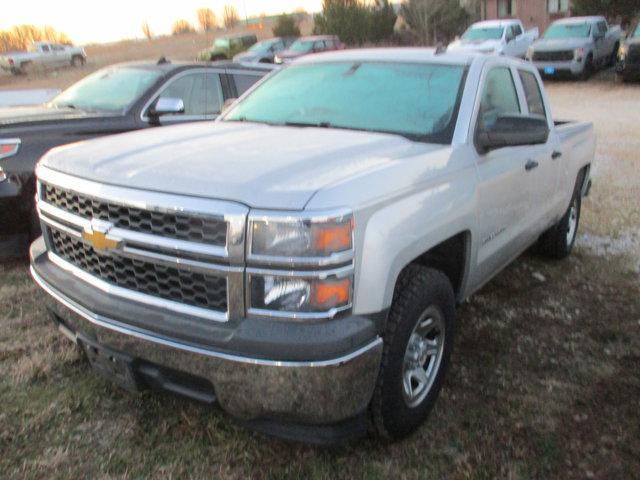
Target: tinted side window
[
  {"x": 244, "y": 82},
  {"x": 191, "y": 89},
  {"x": 215, "y": 98},
  {"x": 499, "y": 96},
  {"x": 602, "y": 27},
  {"x": 532, "y": 92},
  {"x": 45, "y": 48},
  {"x": 517, "y": 30}
]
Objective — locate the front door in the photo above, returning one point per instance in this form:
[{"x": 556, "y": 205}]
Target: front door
[{"x": 503, "y": 202}]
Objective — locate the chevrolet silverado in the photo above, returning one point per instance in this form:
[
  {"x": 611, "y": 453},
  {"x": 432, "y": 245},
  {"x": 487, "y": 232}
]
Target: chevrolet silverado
[{"x": 299, "y": 261}]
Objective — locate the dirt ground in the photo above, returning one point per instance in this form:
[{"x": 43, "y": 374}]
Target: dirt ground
[{"x": 544, "y": 381}]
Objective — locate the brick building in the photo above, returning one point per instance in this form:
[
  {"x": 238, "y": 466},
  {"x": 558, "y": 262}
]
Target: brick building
[{"x": 533, "y": 13}]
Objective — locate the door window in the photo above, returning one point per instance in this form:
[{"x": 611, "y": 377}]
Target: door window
[
  {"x": 498, "y": 98},
  {"x": 532, "y": 93},
  {"x": 191, "y": 89},
  {"x": 45, "y": 48},
  {"x": 517, "y": 30},
  {"x": 215, "y": 98},
  {"x": 244, "y": 82}
]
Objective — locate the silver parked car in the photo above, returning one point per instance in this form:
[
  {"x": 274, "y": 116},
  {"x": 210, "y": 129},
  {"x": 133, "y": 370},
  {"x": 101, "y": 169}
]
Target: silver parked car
[{"x": 576, "y": 46}]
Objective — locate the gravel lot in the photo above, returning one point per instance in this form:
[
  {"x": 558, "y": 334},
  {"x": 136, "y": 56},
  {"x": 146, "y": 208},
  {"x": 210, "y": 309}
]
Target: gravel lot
[{"x": 544, "y": 380}]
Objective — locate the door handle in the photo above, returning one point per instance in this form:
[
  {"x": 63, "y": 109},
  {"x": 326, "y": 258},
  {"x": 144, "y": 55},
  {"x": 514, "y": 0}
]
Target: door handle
[
  {"x": 530, "y": 165},
  {"x": 556, "y": 154}
]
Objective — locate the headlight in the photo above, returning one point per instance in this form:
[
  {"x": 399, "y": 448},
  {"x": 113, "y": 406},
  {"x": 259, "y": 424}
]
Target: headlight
[
  {"x": 300, "y": 294},
  {"x": 277, "y": 59},
  {"x": 9, "y": 147},
  {"x": 3, "y": 176},
  {"x": 622, "y": 51},
  {"x": 578, "y": 53},
  {"x": 300, "y": 265},
  {"x": 292, "y": 238}
]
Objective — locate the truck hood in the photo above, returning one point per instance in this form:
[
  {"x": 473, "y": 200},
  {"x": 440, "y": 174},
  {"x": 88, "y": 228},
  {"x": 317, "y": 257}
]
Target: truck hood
[
  {"x": 257, "y": 165},
  {"x": 474, "y": 45},
  {"x": 41, "y": 113},
  {"x": 555, "y": 44}
]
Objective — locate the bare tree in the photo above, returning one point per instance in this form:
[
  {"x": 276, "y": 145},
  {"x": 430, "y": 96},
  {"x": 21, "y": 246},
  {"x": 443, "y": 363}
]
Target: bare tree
[
  {"x": 206, "y": 19},
  {"x": 230, "y": 16},
  {"x": 146, "y": 30},
  {"x": 182, "y": 26}
]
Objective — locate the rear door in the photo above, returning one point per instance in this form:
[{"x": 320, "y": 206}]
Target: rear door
[{"x": 503, "y": 203}]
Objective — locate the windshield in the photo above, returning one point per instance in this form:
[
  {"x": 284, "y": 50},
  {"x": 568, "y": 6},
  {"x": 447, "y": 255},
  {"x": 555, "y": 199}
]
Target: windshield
[
  {"x": 493, "y": 33},
  {"x": 568, "y": 30},
  {"x": 302, "y": 46},
  {"x": 418, "y": 101},
  {"x": 263, "y": 46},
  {"x": 221, "y": 43},
  {"x": 111, "y": 89}
]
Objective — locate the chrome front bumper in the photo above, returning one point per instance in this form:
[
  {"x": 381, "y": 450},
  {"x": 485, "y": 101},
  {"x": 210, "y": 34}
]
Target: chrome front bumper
[{"x": 309, "y": 393}]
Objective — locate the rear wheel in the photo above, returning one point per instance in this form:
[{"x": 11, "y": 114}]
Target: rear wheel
[
  {"x": 558, "y": 241},
  {"x": 77, "y": 61},
  {"x": 418, "y": 340}
]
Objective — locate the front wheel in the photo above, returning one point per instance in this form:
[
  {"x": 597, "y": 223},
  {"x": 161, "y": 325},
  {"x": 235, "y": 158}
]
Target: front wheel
[
  {"x": 587, "y": 70},
  {"x": 77, "y": 61},
  {"x": 418, "y": 340}
]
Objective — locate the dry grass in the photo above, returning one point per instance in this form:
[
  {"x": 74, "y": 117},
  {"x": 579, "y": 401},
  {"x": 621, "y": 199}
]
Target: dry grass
[{"x": 544, "y": 380}]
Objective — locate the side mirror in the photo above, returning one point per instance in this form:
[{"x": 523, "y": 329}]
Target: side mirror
[
  {"x": 166, "y": 106},
  {"x": 512, "y": 131},
  {"x": 227, "y": 103}
]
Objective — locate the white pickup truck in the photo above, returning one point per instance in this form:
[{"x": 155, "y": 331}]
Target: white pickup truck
[
  {"x": 299, "y": 261},
  {"x": 500, "y": 37},
  {"x": 43, "y": 55}
]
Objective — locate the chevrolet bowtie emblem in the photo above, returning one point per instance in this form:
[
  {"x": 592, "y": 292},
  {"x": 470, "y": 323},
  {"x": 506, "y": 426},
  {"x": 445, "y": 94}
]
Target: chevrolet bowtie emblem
[{"x": 98, "y": 236}]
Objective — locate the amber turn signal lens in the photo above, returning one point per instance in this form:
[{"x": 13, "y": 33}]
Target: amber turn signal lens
[
  {"x": 331, "y": 294},
  {"x": 333, "y": 238}
]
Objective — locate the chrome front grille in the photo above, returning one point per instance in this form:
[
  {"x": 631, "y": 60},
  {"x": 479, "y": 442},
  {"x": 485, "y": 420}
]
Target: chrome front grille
[
  {"x": 169, "y": 251},
  {"x": 170, "y": 283},
  {"x": 166, "y": 224},
  {"x": 559, "y": 56}
]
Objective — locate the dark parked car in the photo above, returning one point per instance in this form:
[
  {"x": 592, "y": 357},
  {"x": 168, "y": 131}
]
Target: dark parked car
[
  {"x": 628, "y": 66},
  {"x": 265, "y": 51},
  {"x": 306, "y": 45},
  {"x": 115, "y": 99}
]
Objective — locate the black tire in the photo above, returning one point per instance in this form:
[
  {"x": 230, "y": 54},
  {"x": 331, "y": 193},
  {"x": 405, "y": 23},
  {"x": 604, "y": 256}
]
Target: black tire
[
  {"x": 587, "y": 71},
  {"x": 215, "y": 58},
  {"x": 614, "y": 55},
  {"x": 419, "y": 290},
  {"x": 77, "y": 61},
  {"x": 26, "y": 68},
  {"x": 557, "y": 242}
]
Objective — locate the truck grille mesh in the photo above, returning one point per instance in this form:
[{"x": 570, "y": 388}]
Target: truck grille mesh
[
  {"x": 178, "y": 226},
  {"x": 560, "y": 56},
  {"x": 169, "y": 283}
]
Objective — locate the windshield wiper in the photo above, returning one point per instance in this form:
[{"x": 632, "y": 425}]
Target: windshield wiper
[{"x": 308, "y": 124}]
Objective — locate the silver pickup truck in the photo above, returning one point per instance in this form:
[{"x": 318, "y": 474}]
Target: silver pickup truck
[
  {"x": 43, "y": 55},
  {"x": 299, "y": 261},
  {"x": 576, "y": 46}
]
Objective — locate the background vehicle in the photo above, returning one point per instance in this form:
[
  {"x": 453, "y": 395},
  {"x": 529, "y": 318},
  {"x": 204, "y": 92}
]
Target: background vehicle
[
  {"x": 576, "y": 46},
  {"x": 113, "y": 100},
  {"x": 225, "y": 48},
  {"x": 45, "y": 55},
  {"x": 265, "y": 51},
  {"x": 310, "y": 283},
  {"x": 305, "y": 45},
  {"x": 502, "y": 37},
  {"x": 628, "y": 65}
]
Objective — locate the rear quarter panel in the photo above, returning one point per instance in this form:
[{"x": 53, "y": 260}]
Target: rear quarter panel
[{"x": 578, "y": 146}]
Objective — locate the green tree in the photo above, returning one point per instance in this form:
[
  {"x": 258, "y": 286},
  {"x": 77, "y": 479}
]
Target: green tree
[
  {"x": 355, "y": 21},
  {"x": 434, "y": 20},
  {"x": 286, "y": 27},
  {"x": 626, "y": 9}
]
